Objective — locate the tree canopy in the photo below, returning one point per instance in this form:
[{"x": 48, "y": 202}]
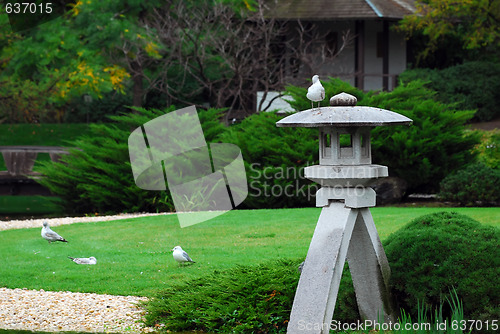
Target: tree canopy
[
  {"x": 474, "y": 23},
  {"x": 202, "y": 52}
]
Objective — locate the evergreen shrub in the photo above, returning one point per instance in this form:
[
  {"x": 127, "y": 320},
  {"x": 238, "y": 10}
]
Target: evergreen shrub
[
  {"x": 97, "y": 177},
  {"x": 274, "y": 161},
  {"x": 247, "y": 299},
  {"x": 441, "y": 252},
  {"x": 477, "y": 184},
  {"x": 472, "y": 85}
]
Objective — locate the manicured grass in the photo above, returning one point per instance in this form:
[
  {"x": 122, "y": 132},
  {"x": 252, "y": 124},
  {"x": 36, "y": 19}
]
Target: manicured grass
[{"x": 134, "y": 254}]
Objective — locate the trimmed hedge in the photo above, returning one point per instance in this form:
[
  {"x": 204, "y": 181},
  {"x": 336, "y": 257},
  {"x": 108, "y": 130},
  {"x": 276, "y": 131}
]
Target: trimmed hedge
[
  {"x": 477, "y": 184},
  {"x": 472, "y": 85}
]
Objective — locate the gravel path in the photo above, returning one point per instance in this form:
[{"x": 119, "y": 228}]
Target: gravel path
[
  {"x": 40, "y": 310},
  {"x": 48, "y": 311},
  {"x": 28, "y": 223}
]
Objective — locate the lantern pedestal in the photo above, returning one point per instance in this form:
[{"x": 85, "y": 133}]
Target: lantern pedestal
[{"x": 345, "y": 229}]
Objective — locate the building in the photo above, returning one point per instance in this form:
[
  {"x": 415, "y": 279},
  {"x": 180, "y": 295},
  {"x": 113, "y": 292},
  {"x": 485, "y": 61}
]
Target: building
[{"x": 377, "y": 53}]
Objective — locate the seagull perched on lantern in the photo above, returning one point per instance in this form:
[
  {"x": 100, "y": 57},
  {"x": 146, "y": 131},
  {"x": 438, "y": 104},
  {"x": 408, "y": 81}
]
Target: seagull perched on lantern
[{"x": 316, "y": 92}]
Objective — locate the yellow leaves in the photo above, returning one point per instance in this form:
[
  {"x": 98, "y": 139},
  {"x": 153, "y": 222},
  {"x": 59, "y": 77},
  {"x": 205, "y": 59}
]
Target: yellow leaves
[
  {"x": 474, "y": 22},
  {"x": 248, "y": 5},
  {"x": 152, "y": 49},
  {"x": 76, "y": 7},
  {"x": 93, "y": 80},
  {"x": 81, "y": 66},
  {"x": 117, "y": 76}
]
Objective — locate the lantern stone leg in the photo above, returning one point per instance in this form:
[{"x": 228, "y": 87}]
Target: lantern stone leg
[{"x": 345, "y": 229}]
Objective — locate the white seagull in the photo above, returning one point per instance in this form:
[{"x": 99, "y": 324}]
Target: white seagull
[
  {"x": 316, "y": 92},
  {"x": 180, "y": 255},
  {"x": 83, "y": 260},
  {"x": 50, "y": 235}
]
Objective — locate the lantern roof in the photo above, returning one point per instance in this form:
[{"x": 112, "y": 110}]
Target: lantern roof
[{"x": 343, "y": 116}]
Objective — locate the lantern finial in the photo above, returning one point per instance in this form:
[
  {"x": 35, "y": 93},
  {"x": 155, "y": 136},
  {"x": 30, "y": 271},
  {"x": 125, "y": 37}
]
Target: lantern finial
[{"x": 343, "y": 99}]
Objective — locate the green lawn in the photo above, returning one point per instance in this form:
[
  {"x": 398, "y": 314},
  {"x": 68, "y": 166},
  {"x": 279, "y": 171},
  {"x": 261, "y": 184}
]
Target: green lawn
[{"x": 134, "y": 254}]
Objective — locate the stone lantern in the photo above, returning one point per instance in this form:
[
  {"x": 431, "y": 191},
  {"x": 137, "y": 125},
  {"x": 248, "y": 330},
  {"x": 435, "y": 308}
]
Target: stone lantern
[{"x": 345, "y": 228}]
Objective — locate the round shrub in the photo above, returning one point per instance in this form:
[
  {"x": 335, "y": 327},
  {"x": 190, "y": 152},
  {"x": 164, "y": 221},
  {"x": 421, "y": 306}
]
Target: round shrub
[
  {"x": 475, "y": 185},
  {"x": 437, "y": 253}
]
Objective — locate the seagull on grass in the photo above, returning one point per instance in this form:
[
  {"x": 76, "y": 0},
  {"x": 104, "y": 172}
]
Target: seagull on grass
[
  {"x": 83, "y": 260},
  {"x": 180, "y": 255},
  {"x": 316, "y": 92},
  {"x": 50, "y": 235}
]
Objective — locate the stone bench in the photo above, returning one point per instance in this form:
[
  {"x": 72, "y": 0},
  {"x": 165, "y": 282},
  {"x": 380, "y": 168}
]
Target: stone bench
[{"x": 20, "y": 160}]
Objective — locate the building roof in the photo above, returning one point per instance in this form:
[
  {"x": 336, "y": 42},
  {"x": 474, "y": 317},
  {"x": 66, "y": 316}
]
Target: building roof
[{"x": 342, "y": 9}]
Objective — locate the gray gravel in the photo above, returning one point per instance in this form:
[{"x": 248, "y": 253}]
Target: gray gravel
[
  {"x": 28, "y": 223},
  {"x": 40, "y": 310}
]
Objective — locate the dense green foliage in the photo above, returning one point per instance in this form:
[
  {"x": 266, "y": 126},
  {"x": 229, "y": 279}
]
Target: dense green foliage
[
  {"x": 469, "y": 24},
  {"x": 489, "y": 149},
  {"x": 87, "y": 51},
  {"x": 242, "y": 300},
  {"x": 246, "y": 299},
  {"x": 437, "y": 253},
  {"x": 97, "y": 175},
  {"x": 472, "y": 85},
  {"x": 423, "y": 153},
  {"x": 477, "y": 184},
  {"x": 274, "y": 160}
]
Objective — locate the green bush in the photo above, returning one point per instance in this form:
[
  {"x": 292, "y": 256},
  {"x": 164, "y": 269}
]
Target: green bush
[
  {"x": 247, "y": 299},
  {"x": 274, "y": 160},
  {"x": 423, "y": 153},
  {"x": 472, "y": 85},
  {"x": 97, "y": 177},
  {"x": 437, "y": 253},
  {"x": 477, "y": 184},
  {"x": 489, "y": 149}
]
